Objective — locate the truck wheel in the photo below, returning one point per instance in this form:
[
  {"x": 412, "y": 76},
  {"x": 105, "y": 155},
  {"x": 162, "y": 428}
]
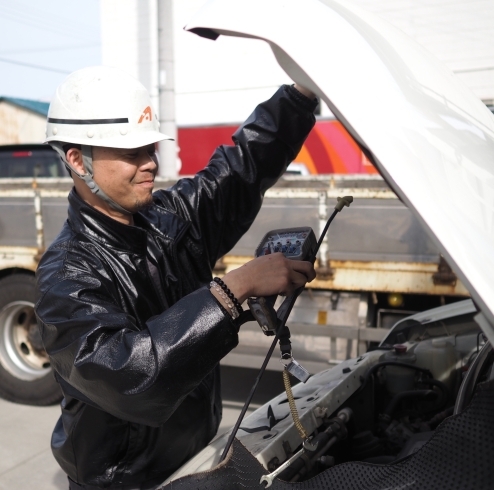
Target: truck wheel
[{"x": 25, "y": 372}]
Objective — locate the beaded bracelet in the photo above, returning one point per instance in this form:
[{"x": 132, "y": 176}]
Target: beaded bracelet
[
  {"x": 234, "y": 300},
  {"x": 224, "y": 299}
]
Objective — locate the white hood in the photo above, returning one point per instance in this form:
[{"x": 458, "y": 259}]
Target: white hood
[{"x": 429, "y": 136}]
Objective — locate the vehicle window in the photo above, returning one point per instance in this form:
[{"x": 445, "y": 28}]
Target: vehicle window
[{"x": 14, "y": 164}]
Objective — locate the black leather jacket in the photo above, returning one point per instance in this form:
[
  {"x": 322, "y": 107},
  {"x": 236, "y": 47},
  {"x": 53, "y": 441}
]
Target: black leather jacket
[{"x": 137, "y": 353}]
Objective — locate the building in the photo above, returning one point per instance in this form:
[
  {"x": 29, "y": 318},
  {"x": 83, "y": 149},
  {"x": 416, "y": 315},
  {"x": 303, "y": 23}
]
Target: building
[{"x": 22, "y": 120}]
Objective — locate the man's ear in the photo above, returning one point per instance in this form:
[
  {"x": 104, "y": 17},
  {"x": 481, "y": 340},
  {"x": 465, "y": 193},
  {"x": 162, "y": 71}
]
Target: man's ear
[{"x": 74, "y": 159}]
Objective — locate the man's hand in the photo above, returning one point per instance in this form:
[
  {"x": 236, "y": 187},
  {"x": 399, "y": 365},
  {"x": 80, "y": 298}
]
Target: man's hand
[{"x": 268, "y": 275}]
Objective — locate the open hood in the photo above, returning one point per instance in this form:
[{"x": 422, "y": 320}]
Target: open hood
[{"x": 428, "y": 135}]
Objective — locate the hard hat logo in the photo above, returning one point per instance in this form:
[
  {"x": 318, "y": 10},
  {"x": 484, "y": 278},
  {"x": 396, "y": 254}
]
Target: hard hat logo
[{"x": 147, "y": 115}]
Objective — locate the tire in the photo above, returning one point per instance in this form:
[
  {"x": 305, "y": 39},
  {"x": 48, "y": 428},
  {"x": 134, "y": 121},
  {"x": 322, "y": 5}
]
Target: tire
[{"x": 25, "y": 373}]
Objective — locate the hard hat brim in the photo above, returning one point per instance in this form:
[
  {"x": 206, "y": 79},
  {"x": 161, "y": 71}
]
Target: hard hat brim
[{"x": 136, "y": 140}]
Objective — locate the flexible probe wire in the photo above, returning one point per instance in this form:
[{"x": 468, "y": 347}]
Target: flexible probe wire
[{"x": 285, "y": 312}]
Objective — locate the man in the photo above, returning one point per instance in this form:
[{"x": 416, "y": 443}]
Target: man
[{"x": 128, "y": 314}]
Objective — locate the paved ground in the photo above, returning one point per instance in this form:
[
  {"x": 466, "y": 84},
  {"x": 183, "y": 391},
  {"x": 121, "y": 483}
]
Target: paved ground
[
  {"x": 25, "y": 458},
  {"x": 26, "y": 461}
]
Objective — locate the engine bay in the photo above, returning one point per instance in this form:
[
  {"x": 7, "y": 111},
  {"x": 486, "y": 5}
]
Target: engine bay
[{"x": 378, "y": 408}]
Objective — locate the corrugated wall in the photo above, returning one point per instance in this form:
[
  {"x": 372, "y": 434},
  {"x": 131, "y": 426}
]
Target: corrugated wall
[{"x": 19, "y": 125}]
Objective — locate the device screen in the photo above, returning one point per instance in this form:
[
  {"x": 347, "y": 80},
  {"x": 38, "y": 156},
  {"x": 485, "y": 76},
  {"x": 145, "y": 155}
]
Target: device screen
[{"x": 289, "y": 243}]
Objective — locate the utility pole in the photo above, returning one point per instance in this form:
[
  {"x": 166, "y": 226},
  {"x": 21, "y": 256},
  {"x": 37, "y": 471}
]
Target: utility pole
[{"x": 166, "y": 88}]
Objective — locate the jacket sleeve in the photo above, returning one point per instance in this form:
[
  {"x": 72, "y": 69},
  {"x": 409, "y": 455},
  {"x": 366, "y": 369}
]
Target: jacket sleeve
[
  {"x": 139, "y": 375},
  {"x": 222, "y": 201}
]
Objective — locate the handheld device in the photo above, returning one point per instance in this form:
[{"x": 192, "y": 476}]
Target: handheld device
[{"x": 295, "y": 244}]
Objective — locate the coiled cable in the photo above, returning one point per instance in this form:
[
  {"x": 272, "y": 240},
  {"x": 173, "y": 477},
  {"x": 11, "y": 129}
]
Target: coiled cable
[{"x": 293, "y": 407}]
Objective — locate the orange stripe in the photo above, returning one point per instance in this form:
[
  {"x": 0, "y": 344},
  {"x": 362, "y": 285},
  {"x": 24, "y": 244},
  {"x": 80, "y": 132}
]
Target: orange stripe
[{"x": 305, "y": 158}]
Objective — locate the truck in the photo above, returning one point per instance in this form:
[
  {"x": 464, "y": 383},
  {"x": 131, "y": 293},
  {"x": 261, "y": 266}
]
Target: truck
[
  {"x": 376, "y": 266},
  {"x": 329, "y": 149}
]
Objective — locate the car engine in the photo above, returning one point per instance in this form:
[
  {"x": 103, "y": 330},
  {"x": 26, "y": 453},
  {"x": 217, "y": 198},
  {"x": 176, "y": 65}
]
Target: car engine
[{"x": 379, "y": 408}]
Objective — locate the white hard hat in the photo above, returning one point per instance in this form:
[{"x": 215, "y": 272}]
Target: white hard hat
[{"x": 103, "y": 106}]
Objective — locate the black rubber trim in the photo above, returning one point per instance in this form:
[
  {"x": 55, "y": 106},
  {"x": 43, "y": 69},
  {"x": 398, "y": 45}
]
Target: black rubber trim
[
  {"x": 205, "y": 32},
  {"x": 120, "y": 120}
]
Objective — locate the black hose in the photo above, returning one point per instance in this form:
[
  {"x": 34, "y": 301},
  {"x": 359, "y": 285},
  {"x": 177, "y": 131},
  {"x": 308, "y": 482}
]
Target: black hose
[
  {"x": 444, "y": 390},
  {"x": 379, "y": 365},
  {"x": 439, "y": 417},
  {"x": 391, "y": 407},
  {"x": 406, "y": 394}
]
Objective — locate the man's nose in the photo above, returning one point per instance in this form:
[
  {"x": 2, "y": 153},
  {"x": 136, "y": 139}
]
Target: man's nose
[{"x": 149, "y": 162}]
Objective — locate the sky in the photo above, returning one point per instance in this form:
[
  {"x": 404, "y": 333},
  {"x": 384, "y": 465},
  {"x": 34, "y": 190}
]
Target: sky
[{"x": 56, "y": 36}]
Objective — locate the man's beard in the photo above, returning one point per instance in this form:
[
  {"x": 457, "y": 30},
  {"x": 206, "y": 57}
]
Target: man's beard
[{"x": 142, "y": 204}]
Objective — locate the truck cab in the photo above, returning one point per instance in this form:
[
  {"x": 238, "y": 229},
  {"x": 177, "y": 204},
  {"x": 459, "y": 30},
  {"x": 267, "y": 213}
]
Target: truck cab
[{"x": 30, "y": 160}]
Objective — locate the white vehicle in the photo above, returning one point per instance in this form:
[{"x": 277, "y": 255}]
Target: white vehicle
[{"x": 416, "y": 413}]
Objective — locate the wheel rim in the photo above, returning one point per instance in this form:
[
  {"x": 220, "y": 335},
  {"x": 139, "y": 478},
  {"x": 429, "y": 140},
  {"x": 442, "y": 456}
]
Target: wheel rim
[{"x": 17, "y": 353}]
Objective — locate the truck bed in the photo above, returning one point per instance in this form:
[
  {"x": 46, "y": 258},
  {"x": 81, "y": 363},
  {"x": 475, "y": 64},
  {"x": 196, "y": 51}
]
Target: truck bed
[{"x": 375, "y": 246}]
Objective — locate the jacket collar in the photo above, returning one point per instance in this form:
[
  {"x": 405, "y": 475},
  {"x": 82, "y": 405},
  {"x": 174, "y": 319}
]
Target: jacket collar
[{"x": 89, "y": 221}]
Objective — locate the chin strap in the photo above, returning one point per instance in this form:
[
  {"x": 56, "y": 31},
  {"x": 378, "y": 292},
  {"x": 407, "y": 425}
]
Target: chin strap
[{"x": 87, "y": 177}]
